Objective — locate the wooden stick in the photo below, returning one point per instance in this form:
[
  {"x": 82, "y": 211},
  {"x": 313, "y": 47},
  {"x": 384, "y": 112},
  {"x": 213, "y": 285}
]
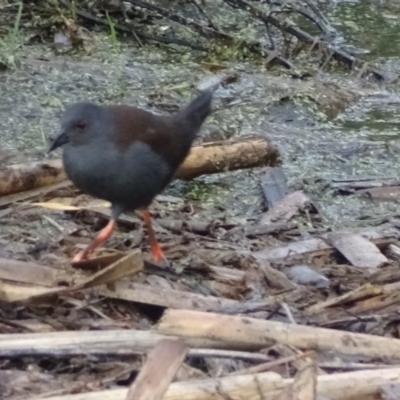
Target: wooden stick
[
  {"x": 168, "y": 298},
  {"x": 208, "y": 158},
  {"x": 111, "y": 343},
  {"x": 239, "y": 330},
  {"x": 160, "y": 368},
  {"x": 359, "y": 385}
]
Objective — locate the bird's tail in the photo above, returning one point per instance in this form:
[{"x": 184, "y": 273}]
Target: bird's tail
[{"x": 195, "y": 113}]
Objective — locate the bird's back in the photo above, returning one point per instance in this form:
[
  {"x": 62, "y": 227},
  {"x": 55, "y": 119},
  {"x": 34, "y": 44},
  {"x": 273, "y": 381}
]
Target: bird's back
[{"x": 169, "y": 136}]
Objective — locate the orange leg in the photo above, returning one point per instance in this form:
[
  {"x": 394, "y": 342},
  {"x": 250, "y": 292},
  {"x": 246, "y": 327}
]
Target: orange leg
[
  {"x": 155, "y": 247},
  {"x": 102, "y": 236}
]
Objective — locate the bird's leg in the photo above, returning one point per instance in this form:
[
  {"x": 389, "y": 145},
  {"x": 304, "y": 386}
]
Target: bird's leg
[
  {"x": 102, "y": 236},
  {"x": 156, "y": 251}
]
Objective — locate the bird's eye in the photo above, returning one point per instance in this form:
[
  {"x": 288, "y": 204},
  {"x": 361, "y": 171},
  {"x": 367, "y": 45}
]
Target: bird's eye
[{"x": 81, "y": 125}]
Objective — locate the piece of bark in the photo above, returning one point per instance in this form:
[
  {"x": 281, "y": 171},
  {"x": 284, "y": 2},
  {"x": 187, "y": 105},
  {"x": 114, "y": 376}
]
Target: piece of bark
[
  {"x": 130, "y": 263},
  {"x": 381, "y": 235},
  {"x": 254, "y": 332},
  {"x": 295, "y": 250},
  {"x": 274, "y": 185},
  {"x": 304, "y": 386},
  {"x": 358, "y": 385},
  {"x": 169, "y": 298},
  {"x": 357, "y": 294},
  {"x": 255, "y": 230},
  {"x": 358, "y": 250},
  {"x": 285, "y": 209},
  {"x": 30, "y": 273},
  {"x": 157, "y": 373},
  {"x": 387, "y": 193},
  {"x": 386, "y": 303},
  {"x": 208, "y": 158},
  {"x": 276, "y": 278},
  {"x": 226, "y": 275}
]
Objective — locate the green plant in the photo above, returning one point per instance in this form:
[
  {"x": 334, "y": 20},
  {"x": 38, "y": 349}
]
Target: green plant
[
  {"x": 113, "y": 33},
  {"x": 11, "y": 42}
]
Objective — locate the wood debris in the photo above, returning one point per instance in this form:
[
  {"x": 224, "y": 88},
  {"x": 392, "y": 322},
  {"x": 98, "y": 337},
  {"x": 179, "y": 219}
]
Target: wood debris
[
  {"x": 358, "y": 250},
  {"x": 126, "y": 265},
  {"x": 217, "y": 311},
  {"x": 264, "y": 307},
  {"x": 157, "y": 373},
  {"x": 285, "y": 209},
  {"x": 366, "y": 384}
]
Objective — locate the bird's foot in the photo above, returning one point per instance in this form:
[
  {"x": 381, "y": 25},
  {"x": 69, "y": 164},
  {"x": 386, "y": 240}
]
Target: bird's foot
[
  {"x": 157, "y": 253},
  {"x": 101, "y": 237},
  {"x": 81, "y": 256}
]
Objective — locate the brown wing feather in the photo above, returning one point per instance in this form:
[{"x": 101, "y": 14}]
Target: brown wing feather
[{"x": 159, "y": 132}]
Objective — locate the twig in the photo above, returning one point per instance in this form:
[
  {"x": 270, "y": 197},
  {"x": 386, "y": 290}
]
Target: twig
[
  {"x": 338, "y": 54},
  {"x": 211, "y": 32},
  {"x": 123, "y": 11},
  {"x": 201, "y": 10},
  {"x": 323, "y": 27},
  {"x": 288, "y": 313},
  {"x": 236, "y": 355},
  {"x": 317, "y": 11},
  {"x": 142, "y": 35},
  {"x": 203, "y": 30},
  {"x": 271, "y": 39}
]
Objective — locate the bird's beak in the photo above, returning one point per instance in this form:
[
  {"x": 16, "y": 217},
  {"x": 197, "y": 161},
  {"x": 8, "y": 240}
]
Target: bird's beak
[{"x": 59, "y": 141}]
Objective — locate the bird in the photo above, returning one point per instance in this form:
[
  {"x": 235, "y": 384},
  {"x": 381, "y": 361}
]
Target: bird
[{"x": 127, "y": 155}]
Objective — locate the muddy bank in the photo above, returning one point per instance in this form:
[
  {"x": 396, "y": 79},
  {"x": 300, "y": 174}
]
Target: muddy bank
[
  {"x": 303, "y": 117},
  {"x": 329, "y": 124}
]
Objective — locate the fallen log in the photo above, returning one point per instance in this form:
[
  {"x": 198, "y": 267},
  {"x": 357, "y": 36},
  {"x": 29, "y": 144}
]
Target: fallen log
[
  {"x": 104, "y": 343},
  {"x": 365, "y": 385},
  {"x": 256, "y": 333},
  {"x": 207, "y": 158}
]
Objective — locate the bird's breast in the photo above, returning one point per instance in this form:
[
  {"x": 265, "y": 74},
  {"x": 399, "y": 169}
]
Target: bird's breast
[{"x": 131, "y": 178}]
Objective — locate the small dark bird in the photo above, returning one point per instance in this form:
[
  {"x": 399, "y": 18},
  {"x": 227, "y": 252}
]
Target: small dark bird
[{"x": 127, "y": 155}]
